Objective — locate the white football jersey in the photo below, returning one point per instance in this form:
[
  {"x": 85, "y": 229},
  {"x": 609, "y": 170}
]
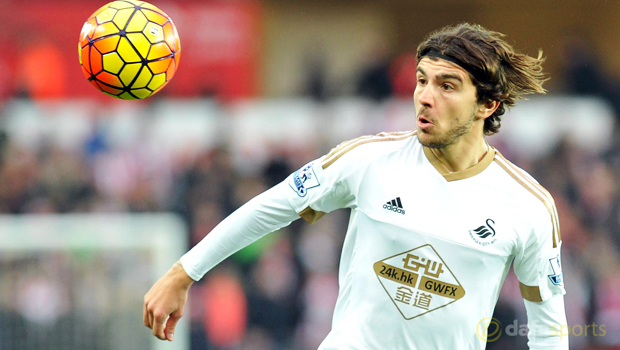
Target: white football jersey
[{"x": 426, "y": 251}]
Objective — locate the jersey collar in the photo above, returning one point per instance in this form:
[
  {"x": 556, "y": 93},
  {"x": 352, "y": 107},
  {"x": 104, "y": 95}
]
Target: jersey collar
[{"x": 462, "y": 174}]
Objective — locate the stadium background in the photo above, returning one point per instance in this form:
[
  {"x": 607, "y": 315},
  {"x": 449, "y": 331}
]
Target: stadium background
[{"x": 262, "y": 88}]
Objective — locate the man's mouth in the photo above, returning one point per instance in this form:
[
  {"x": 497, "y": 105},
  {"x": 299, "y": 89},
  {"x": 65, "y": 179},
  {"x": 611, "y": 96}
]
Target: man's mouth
[
  {"x": 423, "y": 120},
  {"x": 424, "y": 123}
]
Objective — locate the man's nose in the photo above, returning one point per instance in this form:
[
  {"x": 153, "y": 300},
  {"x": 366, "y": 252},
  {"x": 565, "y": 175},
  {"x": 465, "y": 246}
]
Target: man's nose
[{"x": 426, "y": 96}]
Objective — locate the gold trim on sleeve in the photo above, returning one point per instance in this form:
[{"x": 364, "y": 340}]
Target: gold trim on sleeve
[
  {"x": 530, "y": 293},
  {"x": 345, "y": 147},
  {"x": 310, "y": 215},
  {"x": 537, "y": 190}
]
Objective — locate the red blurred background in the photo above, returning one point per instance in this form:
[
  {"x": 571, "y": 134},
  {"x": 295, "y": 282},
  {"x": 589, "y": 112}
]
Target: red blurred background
[{"x": 219, "y": 39}]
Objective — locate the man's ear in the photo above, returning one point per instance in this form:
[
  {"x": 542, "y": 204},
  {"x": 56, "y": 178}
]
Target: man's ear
[{"x": 486, "y": 109}]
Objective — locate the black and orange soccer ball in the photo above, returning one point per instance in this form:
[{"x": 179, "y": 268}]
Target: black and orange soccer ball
[{"x": 129, "y": 49}]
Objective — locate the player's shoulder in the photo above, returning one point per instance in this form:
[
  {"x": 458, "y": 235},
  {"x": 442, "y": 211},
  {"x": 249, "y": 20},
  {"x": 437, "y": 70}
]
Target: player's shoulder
[
  {"x": 367, "y": 147},
  {"x": 531, "y": 196},
  {"x": 520, "y": 181}
]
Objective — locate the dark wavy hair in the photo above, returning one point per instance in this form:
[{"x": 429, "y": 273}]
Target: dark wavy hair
[{"x": 501, "y": 73}]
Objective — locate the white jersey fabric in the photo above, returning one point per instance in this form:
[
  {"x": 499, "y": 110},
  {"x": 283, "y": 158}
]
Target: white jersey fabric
[{"x": 426, "y": 251}]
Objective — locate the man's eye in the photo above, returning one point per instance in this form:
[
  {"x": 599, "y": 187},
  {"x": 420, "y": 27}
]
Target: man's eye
[
  {"x": 447, "y": 87},
  {"x": 421, "y": 81}
]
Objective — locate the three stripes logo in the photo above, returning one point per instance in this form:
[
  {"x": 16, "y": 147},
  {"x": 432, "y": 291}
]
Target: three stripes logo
[
  {"x": 484, "y": 234},
  {"x": 395, "y": 205}
]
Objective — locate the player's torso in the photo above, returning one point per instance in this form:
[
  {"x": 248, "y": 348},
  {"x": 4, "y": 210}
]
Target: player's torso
[{"x": 423, "y": 257}]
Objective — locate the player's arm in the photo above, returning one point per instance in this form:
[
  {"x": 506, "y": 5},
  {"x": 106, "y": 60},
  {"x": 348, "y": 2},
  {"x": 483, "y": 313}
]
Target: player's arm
[
  {"x": 547, "y": 324},
  {"x": 538, "y": 267},
  {"x": 306, "y": 193},
  {"x": 165, "y": 301}
]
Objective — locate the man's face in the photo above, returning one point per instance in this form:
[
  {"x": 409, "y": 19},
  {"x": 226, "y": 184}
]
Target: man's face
[{"x": 445, "y": 102}]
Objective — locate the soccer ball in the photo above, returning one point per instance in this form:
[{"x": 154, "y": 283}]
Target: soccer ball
[{"x": 129, "y": 49}]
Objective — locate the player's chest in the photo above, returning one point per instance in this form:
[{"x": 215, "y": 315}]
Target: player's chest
[{"x": 463, "y": 212}]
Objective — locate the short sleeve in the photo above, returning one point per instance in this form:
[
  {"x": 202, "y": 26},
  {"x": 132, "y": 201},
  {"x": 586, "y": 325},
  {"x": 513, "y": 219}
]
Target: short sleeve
[{"x": 538, "y": 264}]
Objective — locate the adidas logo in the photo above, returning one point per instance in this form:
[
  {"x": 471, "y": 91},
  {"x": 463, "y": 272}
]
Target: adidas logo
[{"x": 395, "y": 205}]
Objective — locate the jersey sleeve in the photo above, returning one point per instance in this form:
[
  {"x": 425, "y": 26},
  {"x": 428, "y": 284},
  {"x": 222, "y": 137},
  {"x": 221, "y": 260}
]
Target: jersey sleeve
[
  {"x": 538, "y": 264},
  {"x": 330, "y": 182},
  {"x": 317, "y": 188},
  {"x": 262, "y": 215},
  {"x": 538, "y": 267},
  {"x": 547, "y": 324}
]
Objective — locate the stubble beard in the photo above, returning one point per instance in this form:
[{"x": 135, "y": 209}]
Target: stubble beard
[{"x": 450, "y": 136}]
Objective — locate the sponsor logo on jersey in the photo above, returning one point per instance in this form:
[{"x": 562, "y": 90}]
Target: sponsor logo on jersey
[
  {"x": 418, "y": 281},
  {"x": 484, "y": 235},
  {"x": 303, "y": 180},
  {"x": 556, "y": 277},
  {"x": 395, "y": 205}
]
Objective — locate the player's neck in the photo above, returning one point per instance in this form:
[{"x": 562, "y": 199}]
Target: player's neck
[{"x": 463, "y": 154}]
